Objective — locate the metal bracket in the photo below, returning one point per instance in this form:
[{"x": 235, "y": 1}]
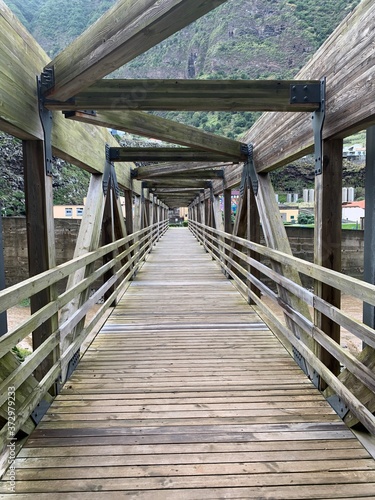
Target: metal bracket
[
  {"x": 113, "y": 154},
  {"x": 249, "y": 174},
  {"x": 70, "y": 114},
  {"x": 300, "y": 360},
  {"x": 318, "y": 121},
  {"x": 109, "y": 174},
  {"x": 47, "y": 79},
  {"x": 40, "y": 411},
  {"x": 338, "y": 405},
  {"x": 43, "y": 84},
  {"x": 305, "y": 93},
  {"x": 72, "y": 365}
]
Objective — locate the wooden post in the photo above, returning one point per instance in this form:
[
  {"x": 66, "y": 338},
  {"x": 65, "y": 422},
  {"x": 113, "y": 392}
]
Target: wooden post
[
  {"x": 3, "y": 315},
  {"x": 108, "y": 234},
  {"x": 137, "y": 213},
  {"x": 41, "y": 239},
  {"x": 227, "y": 210},
  {"x": 254, "y": 235},
  {"x": 129, "y": 210},
  {"x": 369, "y": 261},
  {"x": 327, "y": 239}
]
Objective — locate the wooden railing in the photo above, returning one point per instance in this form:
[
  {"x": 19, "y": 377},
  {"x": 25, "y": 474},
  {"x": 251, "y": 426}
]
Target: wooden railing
[
  {"x": 20, "y": 391},
  {"x": 232, "y": 253}
]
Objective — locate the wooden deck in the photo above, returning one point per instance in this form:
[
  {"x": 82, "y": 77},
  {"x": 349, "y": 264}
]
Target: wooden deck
[{"x": 185, "y": 394}]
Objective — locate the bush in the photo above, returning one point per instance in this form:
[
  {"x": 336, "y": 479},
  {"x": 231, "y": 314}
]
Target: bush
[{"x": 304, "y": 218}]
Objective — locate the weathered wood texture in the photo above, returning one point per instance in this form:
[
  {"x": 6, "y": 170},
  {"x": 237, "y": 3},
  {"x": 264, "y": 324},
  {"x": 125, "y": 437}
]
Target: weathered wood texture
[
  {"x": 327, "y": 248},
  {"x": 190, "y": 95},
  {"x": 145, "y": 124},
  {"x": 21, "y": 59},
  {"x": 170, "y": 154},
  {"x": 184, "y": 403},
  {"x": 128, "y": 29}
]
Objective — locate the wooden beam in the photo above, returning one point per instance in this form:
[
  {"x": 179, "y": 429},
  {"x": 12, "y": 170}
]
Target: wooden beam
[
  {"x": 277, "y": 239},
  {"x": 127, "y": 30},
  {"x": 160, "y": 169},
  {"x": 193, "y": 95},
  {"x": 40, "y": 241},
  {"x": 145, "y": 124},
  {"x": 327, "y": 240},
  {"x": 195, "y": 175},
  {"x": 192, "y": 183},
  {"x": 88, "y": 240},
  {"x": 165, "y": 154}
]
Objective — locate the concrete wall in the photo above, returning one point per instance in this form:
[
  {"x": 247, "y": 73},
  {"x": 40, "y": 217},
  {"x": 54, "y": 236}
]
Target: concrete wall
[
  {"x": 15, "y": 245},
  {"x": 66, "y": 231}
]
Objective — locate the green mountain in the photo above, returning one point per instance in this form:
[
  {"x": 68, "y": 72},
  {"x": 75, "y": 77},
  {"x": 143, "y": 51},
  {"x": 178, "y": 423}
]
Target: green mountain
[{"x": 242, "y": 39}]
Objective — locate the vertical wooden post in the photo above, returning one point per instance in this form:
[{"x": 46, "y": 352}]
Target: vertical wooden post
[
  {"x": 108, "y": 233},
  {"x": 254, "y": 235},
  {"x": 41, "y": 239},
  {"x": 327, "y": 239},
  {"x": 129, "y": 210},
  {"x": 3, "y": 315},
  {"x": 218, "y": 217},
  {"x": 369, "y": 261},
  {"x": 227, "y": 194},
  {"x": 137, "y": 223}
]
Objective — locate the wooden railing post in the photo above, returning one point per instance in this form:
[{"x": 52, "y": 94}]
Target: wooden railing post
[
  {"x": 369, "y": 261},
  {"x": 327, "y": 236},
  {"x": 41, "y": 239}
]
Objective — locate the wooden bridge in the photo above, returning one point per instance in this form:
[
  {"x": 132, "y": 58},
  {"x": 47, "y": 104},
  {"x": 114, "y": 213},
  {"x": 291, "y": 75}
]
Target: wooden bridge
[
  {"x": 194, "y": 387},
  {"x": 186, "y": 393}
]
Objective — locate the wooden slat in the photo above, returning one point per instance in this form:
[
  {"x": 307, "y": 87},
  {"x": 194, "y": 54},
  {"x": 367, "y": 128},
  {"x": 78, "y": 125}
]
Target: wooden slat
[
  {"x": 128, "y": 29},
  {"x": 190, "y": 95},
  {"x": 126, "y": 154},
  {"x": 137, "y": 122},
  {"x": 177, "y": 397}
]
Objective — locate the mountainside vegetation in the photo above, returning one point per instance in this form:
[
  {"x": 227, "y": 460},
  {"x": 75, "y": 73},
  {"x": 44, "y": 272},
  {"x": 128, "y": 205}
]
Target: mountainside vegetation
[{"x": 242, "y": 39}]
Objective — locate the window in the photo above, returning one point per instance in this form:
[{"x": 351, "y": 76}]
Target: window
[
  {"x": 68, "y": 212},
  {"x": 79, "y": 211}
]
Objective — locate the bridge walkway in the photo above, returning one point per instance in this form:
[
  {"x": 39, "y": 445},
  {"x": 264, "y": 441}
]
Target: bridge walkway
[{"x": 186, "y": 394}]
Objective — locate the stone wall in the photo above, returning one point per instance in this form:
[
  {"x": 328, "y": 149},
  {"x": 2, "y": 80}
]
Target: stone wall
[{"x": 66, "y": 231}]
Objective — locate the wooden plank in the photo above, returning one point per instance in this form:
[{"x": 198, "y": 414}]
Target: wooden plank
[
  {"x": 137, "y": 122},
  {"x": 189, "y": 95},
  {"x": 171, "y": 154},
  {"x": 130, "y": 29}
]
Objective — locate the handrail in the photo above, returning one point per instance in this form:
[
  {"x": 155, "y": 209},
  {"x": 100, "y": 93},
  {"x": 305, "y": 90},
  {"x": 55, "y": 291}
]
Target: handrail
[
  {"x": 13, "y": 373},
  {"x": 221, "y": 247}
]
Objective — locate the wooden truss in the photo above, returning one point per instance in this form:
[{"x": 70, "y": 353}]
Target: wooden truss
[{"x": 208, "y": 165}]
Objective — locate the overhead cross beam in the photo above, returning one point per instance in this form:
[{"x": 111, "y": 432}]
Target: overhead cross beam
[
  {"x": 167, "y": 154},
  {"x": 195, "y": 175},
  {"x": 147, "y": 125},
  {"x": 127, "y": 30},
  {"x": 196, "y": 95},
  {"x": 167, "y": 169}
]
